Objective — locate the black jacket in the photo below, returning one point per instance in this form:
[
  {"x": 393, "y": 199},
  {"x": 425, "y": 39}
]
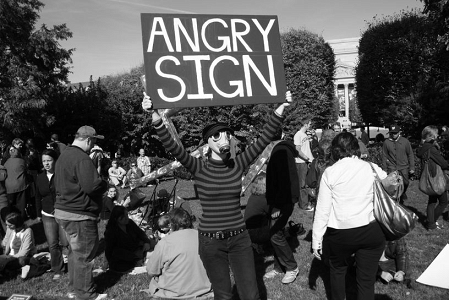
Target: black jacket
[{"x": 282, "y": 177}]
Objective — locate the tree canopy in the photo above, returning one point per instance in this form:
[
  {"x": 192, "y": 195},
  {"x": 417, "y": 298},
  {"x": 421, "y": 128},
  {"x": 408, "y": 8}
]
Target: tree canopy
[
  {"x": 33, "y": 66},
  {"x": 398, "y": 70},
  {"x": 309, "y": 64}
]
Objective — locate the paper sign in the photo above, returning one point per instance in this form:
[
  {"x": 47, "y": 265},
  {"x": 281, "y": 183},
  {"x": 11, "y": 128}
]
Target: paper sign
[
  {"x": 212, "y": 60},
  {"x": 437, "y": 273}
]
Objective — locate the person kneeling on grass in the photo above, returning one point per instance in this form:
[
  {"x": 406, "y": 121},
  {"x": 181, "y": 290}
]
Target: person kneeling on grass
[
  {"x": 393, "y": 264},
  {"x": 18, "y": 244},
  {"x": 126, "y": 244},
  {"x": 175, "y": 266}
]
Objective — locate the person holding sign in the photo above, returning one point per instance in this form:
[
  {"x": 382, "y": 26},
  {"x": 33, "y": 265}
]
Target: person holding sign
[{"x": 223, "y": 239}]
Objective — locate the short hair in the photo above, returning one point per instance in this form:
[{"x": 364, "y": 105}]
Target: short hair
[
  {"x": 164, "y": 221},
  {"x": 17, "y": 141},
  {"x": 259, "y": 186},
  {"x": 54, "y": 137},
  {"x": 180, "y": 219},
  {"x": 13, "y": 152},
  {"x": 327, "y": 134},
  {"x": 15, "y": 219},
  {"x": 52, "y": 153},
  {"x": 429, "y": 133},
  {"x": 345, "y": 145},
  {"x": 305, "y": 120}
]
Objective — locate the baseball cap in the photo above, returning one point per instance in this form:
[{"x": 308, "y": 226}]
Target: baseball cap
[
  {"x": 394, "y": 129},
  {"x": 211, "y": 129},
  {"x": 87, "y": 131}
]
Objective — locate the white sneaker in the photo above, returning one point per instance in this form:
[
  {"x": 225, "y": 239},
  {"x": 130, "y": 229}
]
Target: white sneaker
[
  {"x": 273, "y": 273},
  {"x": 290, "y": 276},
  {"x": 25, "y": 271},
  {"x": 101, "y": 296}
]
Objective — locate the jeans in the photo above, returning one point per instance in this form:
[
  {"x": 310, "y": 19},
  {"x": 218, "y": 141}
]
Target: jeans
[
  {"x": 303, "y": 195},
  {"x": 434, "y": 211},
  {"x": 56, "y": 239},
  {"x": 283, "y": 255},
  {"x": 83, "y": 240},
  {"x": 368, "y": 244},
  {"x": 218, "y": 255}
]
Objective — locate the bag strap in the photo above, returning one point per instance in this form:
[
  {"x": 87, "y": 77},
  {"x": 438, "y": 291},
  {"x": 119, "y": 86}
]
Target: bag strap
[{"x": 374, "y": 171}]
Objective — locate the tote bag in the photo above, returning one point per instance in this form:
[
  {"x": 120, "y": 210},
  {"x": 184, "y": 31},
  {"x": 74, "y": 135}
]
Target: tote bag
[
  {"x": 432, "y": 185},
  {"x": 394, "y": 219}
]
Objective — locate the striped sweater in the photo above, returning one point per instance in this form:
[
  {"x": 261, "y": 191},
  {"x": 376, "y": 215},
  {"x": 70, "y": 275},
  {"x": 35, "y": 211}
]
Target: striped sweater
[{"x": 218, "y": 185}]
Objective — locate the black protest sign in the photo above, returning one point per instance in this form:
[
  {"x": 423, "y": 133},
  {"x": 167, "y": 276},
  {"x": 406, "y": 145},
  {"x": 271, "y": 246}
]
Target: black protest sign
[{"x": 212, "y": 60}]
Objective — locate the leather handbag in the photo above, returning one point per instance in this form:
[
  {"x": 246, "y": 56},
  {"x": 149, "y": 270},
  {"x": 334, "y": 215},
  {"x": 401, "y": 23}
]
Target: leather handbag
[
  {"x": 395, "y": 220},
  {"x": 432, "y": 185}
]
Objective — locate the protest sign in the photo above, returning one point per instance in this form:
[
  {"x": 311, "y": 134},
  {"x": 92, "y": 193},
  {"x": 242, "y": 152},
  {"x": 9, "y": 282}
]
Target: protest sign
[{"x": 212, "y": 60}]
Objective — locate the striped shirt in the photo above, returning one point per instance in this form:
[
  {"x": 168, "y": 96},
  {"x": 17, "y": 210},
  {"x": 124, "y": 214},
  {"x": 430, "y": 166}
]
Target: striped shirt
[{"x": 218, "y": 185}]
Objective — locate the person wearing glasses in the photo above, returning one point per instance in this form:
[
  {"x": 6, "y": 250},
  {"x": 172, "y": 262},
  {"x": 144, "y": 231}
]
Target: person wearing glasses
[
  {"x": 134, "y": 170},
  {"x": 223, "y": 239}
]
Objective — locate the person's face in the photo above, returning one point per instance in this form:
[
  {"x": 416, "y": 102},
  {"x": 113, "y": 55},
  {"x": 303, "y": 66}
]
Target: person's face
[
  {"x": 11, "y": 226},
  {"x": 337, "y": 128},
  {"x": 394, "y": 135},
  {"x": 112, "y": 192},
  {"x": 142, "y": 152},
  {"x": 123, "y": 219},
  {"x": 219, "y": 142},
  {"x": 133, "y": 166},
  {"x": 114, "y": 164},
  {"x": 308, "y": 125},
  {"x": 48, "y": 163}
]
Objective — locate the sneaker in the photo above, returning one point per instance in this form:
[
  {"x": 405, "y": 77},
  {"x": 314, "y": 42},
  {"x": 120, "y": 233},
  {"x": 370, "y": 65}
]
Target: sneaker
[
  {"x": 101, "y": 296},
  {"x": 25, "y": 271},
  {"x": 290, "y": 276},
  {"x": 441, "y": 226},
  {"x": 71, "y": 295},
  {"x": 309, "y": 207},
  {"x": 273, "y": 273},
  {"x": 57, "y": 277}
]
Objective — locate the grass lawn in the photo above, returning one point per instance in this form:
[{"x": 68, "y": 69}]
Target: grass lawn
[{"x": 312, "y": 281}]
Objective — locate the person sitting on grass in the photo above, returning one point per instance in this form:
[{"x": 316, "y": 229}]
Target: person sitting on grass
[
  {"x": 134, "y": 170},
  {"x": 393, "y": 264},
  {"x": 175, "y": 266},
  {"x": 18, "y": 244},
  {"x": 117, "y": 175},
  {"x": 109, "y": 201},
  {"x": 126, "y": 245}
]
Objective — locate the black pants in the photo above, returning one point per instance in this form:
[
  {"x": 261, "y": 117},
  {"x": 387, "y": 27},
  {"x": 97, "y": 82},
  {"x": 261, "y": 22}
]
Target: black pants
[
  {"x": 367, "y": 243},
  {"x": 283, "y": 255},
  {"x": 434, "y": 211}
]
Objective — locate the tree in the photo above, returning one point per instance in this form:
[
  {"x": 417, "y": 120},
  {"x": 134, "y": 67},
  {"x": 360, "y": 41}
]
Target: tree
[
  {"x": 33, "y": 66},
  {"x": 309, "y": 64},
  {"x": 438, "y": 12},
  {"x": 399, "y": 64}
]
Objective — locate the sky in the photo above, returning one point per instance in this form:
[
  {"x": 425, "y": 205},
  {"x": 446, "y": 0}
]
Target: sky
[{"x": 107, "y": 34}]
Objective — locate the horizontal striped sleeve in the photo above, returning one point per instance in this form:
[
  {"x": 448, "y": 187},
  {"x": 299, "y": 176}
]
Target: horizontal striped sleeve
[{"x": 178, "y": 151}]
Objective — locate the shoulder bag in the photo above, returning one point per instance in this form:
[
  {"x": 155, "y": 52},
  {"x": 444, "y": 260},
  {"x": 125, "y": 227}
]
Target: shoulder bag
[
  {"x": 432, "y": 185},
  {"x": 395, "y": 220}
]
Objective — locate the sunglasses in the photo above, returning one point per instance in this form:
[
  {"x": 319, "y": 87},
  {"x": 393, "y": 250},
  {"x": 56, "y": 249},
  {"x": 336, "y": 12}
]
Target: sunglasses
[{"x": 218, "y": 135}]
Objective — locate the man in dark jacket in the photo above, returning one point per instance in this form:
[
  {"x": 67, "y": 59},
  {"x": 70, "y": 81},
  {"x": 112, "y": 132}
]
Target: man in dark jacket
[
  {"x": 282, "y": 193},
  {"x": 79, "y": 191},
  {"x": 398, "y": 155}
]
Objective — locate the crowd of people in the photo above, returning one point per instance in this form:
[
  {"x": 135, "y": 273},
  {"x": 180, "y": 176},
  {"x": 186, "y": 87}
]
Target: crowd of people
[{"x": 328, "y": 176}]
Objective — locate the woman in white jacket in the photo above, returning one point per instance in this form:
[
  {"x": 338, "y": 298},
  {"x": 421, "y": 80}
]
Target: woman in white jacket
[{"x": 344, "y": 217}]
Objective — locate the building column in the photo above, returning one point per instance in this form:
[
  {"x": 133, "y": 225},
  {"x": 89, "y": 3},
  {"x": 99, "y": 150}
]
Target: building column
[{"x": 347, "y": 100}]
